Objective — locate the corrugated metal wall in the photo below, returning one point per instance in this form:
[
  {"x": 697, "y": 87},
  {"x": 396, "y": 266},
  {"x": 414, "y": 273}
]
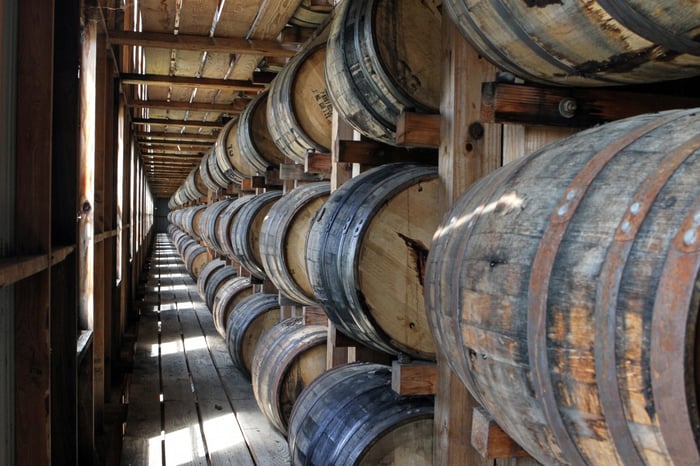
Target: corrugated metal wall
[{"x": 7, "y": 201}]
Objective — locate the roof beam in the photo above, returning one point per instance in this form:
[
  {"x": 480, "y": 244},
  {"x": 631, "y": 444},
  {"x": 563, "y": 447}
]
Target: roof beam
[
  {"x": 170, "y": 142},
  {"x": 182, "y": 137},
  {"x": 187, "y": 81},
  {"x": 236, "y": 107},
  {"x": 203, "y": 43},
  {"x": 177, "y": 123}
]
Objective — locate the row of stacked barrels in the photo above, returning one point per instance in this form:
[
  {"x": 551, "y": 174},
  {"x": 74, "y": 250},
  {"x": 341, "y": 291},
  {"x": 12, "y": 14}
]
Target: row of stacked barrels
[{"x": 563, "y": 288}]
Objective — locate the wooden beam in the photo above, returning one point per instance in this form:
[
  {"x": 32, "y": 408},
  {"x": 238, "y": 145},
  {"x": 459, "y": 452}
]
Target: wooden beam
[
  {"x": 34, "y": 96},
  {"x": 570, "y": 107},
  {"x": 418, "y": 130},
  {"x": 490, "y": 440},
  {"x": 414, "y": 378},
  {"x": 176, "y": 123},
  {"x": 171, "y": 142},
  {"x": 236, "y": 107},
  {"x": 203, "y": 43},
  {"x": 187, "y": 81},
  {"x": 184, "y": 137},
  {"x": 377, "y": 153}
]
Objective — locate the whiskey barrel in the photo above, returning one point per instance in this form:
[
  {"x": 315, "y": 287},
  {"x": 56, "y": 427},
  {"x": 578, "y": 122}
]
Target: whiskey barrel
[
  {"x": 233, "y": 152},
  {"x": 215, "y": 170},
  {"x": 311, "y": 14},
  {"x": 248, "y": 320},
  {"x": 245, "y": 231},
  {"x": 350, "y": 415},
  {"x": 205, "y": 274},
  {"x": 286, "y": 359},
  {"x": 298, "y": 108},
  {"x": 195, "y": 257},
  {"x": 217, "y": 280},
  {"x": 225, "y": 222},
  {"x": 208, "y": 223},
  {"x": 365, "y": 256},
  {"x": 194, "y": 186},
  {"x": 254, "y": 140},
  {"x": 283, "y": 240},
  {"x": 232, "y": 172},
  {"x": 190, "y": 220},
  {"x": 564, "y": 291},
  {"x": 601, "y": 43},
  {"x": 383, "y": 57},
  {"x": 206, "y": 175},
  {"x": 227, "y": 297}
]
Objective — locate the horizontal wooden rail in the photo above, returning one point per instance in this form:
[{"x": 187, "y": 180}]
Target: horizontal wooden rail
[{"x": 14, "y": 269}]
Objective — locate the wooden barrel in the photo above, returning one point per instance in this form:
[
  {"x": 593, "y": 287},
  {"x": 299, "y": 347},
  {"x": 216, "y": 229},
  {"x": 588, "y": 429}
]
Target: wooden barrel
[
  {"x": 350, "y": 415},
  {"x": 227, "y": 297},
  {"x": 206, "y": 175},
  {"x": 189, "y": 219},
  {"x": 365, "y": 256},
  {"x": 195, "y": 257},
  {"x": 245, "y": 231},
  {"x": 233, "y": 152},
  {"x": 311, "y": 14},
  {"x": 283, "y": 240},
  {"x": 205, "y": 274},
  {"x": 216, "y": 281},
  {"x": 383, "y": 57},
  {"x": 209, "y": 221},
  {"x": 215, "y": 170},
  {"x": 254, "y": 141},
  {"x": 286, "y": 359},
  {"x": 298, "y": 108},
  {"x": 225, "y": 223},
  {"x": 194, "y": 186},
  {"x": 564, "y": 291},
  {"x": 232, "y": 172},
  {"x": 249, "y": 319},
  {"x": 599, "y": 43}
]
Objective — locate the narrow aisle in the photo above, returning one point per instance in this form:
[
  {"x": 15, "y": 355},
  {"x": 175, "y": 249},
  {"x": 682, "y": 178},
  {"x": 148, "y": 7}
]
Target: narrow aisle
[{"x": 187, "y": 403}]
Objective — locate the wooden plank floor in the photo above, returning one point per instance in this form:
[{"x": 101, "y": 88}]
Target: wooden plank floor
[{"x": 187, "y": 402}]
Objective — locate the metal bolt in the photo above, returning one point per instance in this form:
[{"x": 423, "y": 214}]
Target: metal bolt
[
  {"x": 635, "y": 208},
  {"x": 563, "y": 209},
  {"x": 570, "y": 195},
  {"x": 567, "y": 107},
  {"x": 625, "y": 226},
  {"x": 476, "y": 130}
]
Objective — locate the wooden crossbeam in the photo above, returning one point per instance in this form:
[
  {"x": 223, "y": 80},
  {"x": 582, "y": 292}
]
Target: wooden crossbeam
[
  {"x": 203, "y": 43},
  {"x": 187, "y": 81},
  {"x": 377, "y": 153},
  {"x": 176, "y": 123},
  {"x": 184, "y": 137},
  {"x": 570, "y": 107},
  {"x": 236, "y": 107},
  {"x": 174, "y": 143}
]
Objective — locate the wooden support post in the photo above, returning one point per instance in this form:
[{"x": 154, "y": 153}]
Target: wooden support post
[
  {"x": 340, "y": 171},
  {"x": 414, "y": 378},
  {"x": 314, "y": 315},
  {"x": 490, "y": 440},
  {"x": 86, "y": 208},
  {"x": 33, "y": 136},
  {"x": 318, "y": 163},
  {"x": 465, "y": 156}
]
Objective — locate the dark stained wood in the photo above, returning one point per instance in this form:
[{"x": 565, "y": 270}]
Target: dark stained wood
[
  {"x": 200, "y": 83},
  {"x": 318, "y": 163},
  {"x": 33, "y": 138},
  {"x": 374, "y": 153},
  {"x": 536, "y": 105},
  {"x": 172, "y": 136},
  {"x": 202, "y": 43}
]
